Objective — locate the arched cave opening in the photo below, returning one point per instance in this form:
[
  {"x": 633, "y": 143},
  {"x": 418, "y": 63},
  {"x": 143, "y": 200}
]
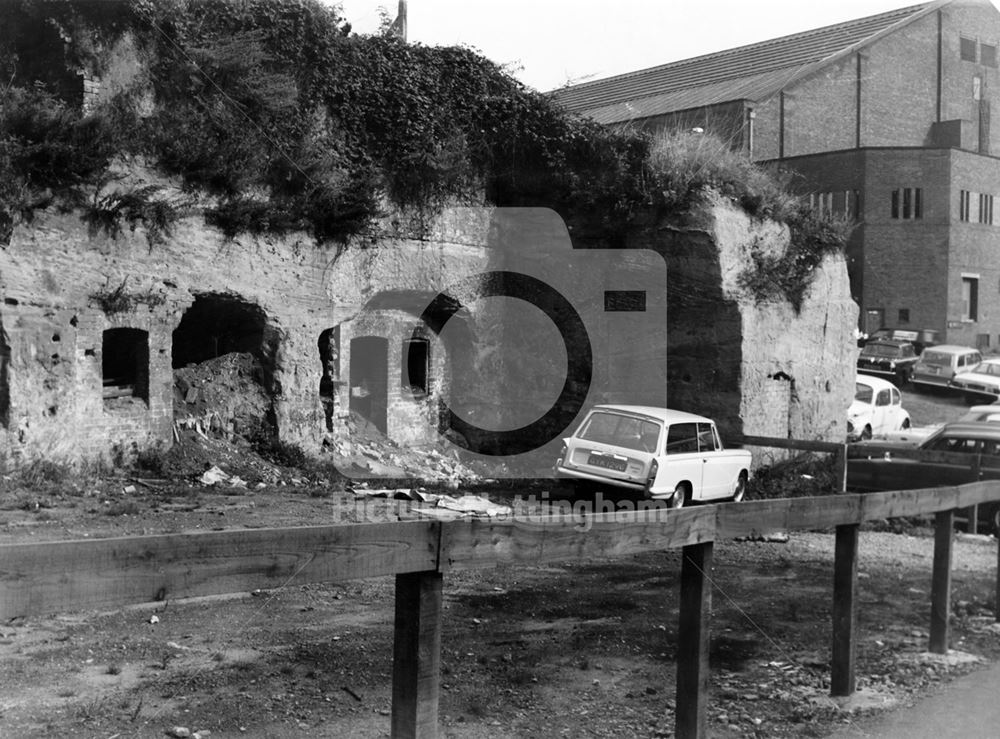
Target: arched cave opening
[{"x": 224, "y": 352}]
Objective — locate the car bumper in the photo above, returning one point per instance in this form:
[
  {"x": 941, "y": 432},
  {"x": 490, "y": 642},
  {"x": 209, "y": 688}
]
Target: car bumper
[
  {"x": 930, "y": 380},
  {"x": 879, "y": 372},
  {"x": 566, "y": 473}
]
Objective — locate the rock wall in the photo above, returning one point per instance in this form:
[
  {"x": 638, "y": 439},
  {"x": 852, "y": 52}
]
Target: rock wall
[
  {"x": 92, "y": 329},
  {"x": 758, "y": 368}
]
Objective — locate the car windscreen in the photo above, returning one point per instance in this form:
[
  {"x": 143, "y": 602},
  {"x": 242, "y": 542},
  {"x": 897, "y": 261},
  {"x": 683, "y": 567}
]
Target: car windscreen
[
  {"x": 880, "y": 350},
  {"x": 863, "y": 392},
  {"x": 937, "y": 358},
  {"x": 621, "y": 430}
]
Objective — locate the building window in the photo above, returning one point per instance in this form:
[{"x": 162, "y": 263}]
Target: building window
[
  {"x": 415, "y": 364},
  {"x": 852, "y": 204},
  {"x": 986, "y": 209},
  {"x": 988, "y": 55},
  {"x": 970, "y": 298},
  {"x": 904, "y": 315},
  {"x": 982, "y": 342},
  {"x": 967, "y": 49},
  {"x": 964, "y": 198},
  {"x": 845, "y": 203},
  {"x": 125, "y": 363},
  {"x": 907, "y": 203}
]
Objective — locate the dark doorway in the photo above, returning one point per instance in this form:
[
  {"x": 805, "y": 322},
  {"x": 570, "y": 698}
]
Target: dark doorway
[
  {"x": 4, "y": 379},
  {"x": 369, "y": 379},
  {"x": 218, "y": 324},
  {"x": 416, "y": 356},
  {"x": 125, "y": 363},
  {"x": 329, "y": 357}
]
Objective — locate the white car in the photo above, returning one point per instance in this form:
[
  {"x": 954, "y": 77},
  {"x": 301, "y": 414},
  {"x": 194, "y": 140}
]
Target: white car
[
  {"x": 876, "y": 410},
  {"x": 980, "y": 383},
  {"x": 666, "y": 454},
  {"x": 916, "y": 434}
]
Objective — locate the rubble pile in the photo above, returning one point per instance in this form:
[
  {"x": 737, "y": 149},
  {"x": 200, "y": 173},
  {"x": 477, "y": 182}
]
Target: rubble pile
[
  {"x": 365, "y": 452},
  {"x": 225, "y": 395},
  {"x": 221, "y": 404}
]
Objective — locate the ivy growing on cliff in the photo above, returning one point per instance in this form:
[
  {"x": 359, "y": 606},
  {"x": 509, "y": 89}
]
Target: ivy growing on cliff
[
  {"x": 291, "y": 122},
  {"x": 789, "y": 275},
  {"x": 274, "y": 108}
]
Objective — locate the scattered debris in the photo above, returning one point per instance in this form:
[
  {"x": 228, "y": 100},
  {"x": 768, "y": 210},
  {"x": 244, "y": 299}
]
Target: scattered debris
[
  {"x": 351, "y": 693},
  {"x": 214, "y": 476}
]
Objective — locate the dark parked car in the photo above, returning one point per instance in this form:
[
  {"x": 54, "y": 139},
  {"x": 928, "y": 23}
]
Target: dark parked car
[
  {"x": 888, "y": 358},
  {"x": 948, "y": 457},
  {"x": 920, "y": 338}
]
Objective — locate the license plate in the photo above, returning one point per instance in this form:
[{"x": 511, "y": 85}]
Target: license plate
[{"x": 607, "y": 462}]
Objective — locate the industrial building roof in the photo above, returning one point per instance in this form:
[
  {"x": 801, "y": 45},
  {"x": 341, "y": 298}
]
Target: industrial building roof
[{"x": 752, "y": 72}]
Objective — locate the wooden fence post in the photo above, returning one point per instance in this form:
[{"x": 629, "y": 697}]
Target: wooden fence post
[
  {"x": 845, "y": 588},
  {"x": 944, "y": 522},
  {"x": 842, "y": 468},
  {"x": 972, "y": 527},
  {"x": 416, "y": 659},
  {"x": 692, "y": 642},
  {"x": 996, "y": 604}
]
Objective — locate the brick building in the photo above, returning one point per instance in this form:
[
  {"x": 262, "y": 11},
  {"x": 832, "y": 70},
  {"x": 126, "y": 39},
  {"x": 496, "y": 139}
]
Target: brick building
[{"x": 885, "y": 119}]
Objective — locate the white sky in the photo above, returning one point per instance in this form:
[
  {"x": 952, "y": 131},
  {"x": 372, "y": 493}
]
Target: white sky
[{"x": 547, "y": 43}]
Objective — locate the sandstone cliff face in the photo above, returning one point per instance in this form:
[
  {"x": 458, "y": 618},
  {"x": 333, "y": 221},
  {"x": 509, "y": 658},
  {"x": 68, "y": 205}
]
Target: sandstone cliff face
[
  {"x": 759, "y": 368},
  {"x": 94, "y": 327}
]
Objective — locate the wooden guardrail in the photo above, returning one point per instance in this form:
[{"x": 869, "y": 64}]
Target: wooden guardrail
[{"x": 47, "y": 577}]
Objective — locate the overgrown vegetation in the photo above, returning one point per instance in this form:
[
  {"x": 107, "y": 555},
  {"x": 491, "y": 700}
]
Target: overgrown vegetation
[
  {"x": 684, "y": 165},
  {"x": 121, "y": 300},
  {"x": 807, "y": 475},
  {"x": 788, "y": 275},
  {"x": 287, "y": 121}
]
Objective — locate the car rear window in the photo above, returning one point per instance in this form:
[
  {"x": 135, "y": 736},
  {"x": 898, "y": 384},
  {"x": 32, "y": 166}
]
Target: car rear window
[
  {"x": 880, "y": 350},
  {"x": 621, "y": 430},
  {"x": 863, "y": 392},
  {"x": 930, "y": 357}
]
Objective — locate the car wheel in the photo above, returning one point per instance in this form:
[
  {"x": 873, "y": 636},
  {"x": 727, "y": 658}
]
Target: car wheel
[
  {"x": 679, "y": 498},
  {"x": 741, "y": 488},
  {"x": 866, "y": 433}
]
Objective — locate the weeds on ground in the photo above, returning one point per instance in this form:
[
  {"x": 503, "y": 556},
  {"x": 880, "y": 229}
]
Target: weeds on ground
[{"x": 802, "y": 476}]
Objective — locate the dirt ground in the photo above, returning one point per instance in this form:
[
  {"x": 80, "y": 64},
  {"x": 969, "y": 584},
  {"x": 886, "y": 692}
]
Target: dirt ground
[{"x": 580, "y": 649}]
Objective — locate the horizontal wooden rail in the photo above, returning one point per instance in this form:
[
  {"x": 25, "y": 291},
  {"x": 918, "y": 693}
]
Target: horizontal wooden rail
[
  {"x": 798, "y": 444},
  {"x": 874, "y": 451},
  {"x": 58, "y": 576}
]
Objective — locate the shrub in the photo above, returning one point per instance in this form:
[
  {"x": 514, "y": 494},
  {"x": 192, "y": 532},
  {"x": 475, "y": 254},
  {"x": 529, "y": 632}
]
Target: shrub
[
  {"x": 787, "y": 276},
  {"x": 683, "y": 165},
  {"x": 802, "y": 476}
]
